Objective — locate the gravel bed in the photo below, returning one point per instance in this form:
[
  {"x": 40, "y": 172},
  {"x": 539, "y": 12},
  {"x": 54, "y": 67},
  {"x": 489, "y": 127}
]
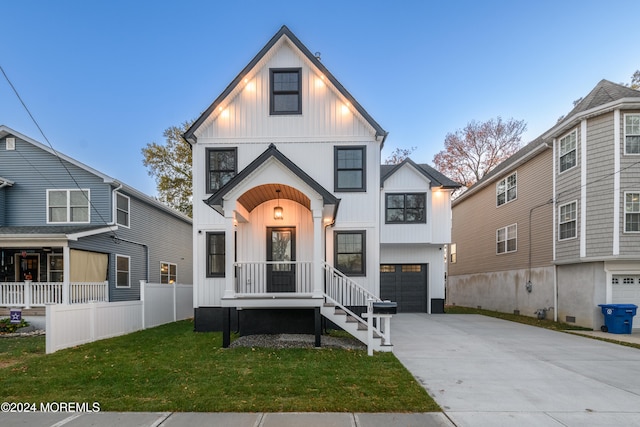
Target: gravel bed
[{"x": 278, "y": 341}]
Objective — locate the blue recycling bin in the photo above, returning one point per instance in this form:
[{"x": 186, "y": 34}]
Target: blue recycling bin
[{"x": 618, "y": 318}]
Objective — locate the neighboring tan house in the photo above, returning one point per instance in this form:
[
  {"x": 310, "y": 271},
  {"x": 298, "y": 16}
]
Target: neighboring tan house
[
  {"x": 79, "y": 235},
  {"x": 557, "y": 225},
  {"x": 288, "y": 206}
]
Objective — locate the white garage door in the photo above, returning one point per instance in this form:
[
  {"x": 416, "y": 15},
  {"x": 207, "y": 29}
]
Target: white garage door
[{"x": 626, "y": 290}]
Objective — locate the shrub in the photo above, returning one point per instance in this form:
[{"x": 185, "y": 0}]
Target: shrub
[{"x": 6, "y": 327}]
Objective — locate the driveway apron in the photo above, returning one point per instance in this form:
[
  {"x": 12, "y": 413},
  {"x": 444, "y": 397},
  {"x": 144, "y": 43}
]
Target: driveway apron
[{"x": 487, "y": 371}]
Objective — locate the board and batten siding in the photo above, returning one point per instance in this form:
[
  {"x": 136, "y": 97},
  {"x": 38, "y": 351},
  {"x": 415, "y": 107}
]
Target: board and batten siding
[
  {"x": 476, "y": 219},
  {"x": 34, "y": 171},
  {"x": 246, "y": 116},
  {"x": 406, "y": 180}
]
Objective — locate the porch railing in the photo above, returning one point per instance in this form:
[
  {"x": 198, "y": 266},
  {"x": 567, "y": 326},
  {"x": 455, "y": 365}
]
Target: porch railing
[
  {"x": 38, "y": 294},
  {"x": 263, "y": 277}
]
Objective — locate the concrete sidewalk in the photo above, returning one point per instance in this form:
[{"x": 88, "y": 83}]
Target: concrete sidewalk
[
  {"x": 490, "y": 372},
  {"x": 158, "y": 419}
]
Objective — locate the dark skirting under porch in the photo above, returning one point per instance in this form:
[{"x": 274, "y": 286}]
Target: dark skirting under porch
[{"x": 258, "y": 321}]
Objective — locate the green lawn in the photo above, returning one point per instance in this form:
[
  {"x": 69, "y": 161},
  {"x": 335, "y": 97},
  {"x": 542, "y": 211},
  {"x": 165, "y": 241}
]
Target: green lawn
[{"x": 172, "y": 368}]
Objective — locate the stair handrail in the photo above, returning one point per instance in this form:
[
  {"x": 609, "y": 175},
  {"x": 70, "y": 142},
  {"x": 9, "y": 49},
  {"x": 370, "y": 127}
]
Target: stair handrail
[{"x": 363, "y": 299}]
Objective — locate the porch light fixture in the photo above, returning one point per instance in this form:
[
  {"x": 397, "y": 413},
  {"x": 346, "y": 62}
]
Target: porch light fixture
[{"x": 277, "y": 211}]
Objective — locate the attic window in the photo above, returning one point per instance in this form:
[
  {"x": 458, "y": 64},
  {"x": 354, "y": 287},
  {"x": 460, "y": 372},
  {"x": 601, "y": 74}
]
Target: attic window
[{"x": 286, "y": 91}]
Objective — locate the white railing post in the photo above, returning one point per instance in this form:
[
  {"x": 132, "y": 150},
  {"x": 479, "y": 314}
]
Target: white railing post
[
  {"x": 66, "y": 257},
  {"x": 27, "y": 294},
  {"x": 142, "y": 286},
  {"x": 175, "y": 301},
  {"x": 106, "y": 291},
  {"x": 370, "y": 326},
  {"x": 317, "y": 253}
]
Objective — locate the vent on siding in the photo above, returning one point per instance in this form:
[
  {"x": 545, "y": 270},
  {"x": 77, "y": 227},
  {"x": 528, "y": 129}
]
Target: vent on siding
[{"x": 11, "y": 143}]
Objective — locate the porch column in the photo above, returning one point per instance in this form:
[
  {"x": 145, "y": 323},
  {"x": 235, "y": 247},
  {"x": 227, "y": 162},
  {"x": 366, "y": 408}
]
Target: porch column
[
  {"x": 318, "y": 290},
  {"x": 229, "y": 250},
  {"x": 66, "y": 273}
]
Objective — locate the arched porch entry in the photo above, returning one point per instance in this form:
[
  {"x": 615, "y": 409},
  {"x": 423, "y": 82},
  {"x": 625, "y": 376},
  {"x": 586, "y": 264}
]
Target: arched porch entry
[{"x": 277, "y": 259}]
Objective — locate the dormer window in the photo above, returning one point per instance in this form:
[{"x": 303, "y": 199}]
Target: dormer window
[{"x": 286, "y": 91}]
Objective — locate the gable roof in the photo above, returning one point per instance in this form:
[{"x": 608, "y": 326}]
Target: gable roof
[
  {"x": 605, "y": 96},
  {"x": 189, "y": 135},
  {"x": 216, "y": 200},
  {"x": 437, "y": 179},
  {"x": 6, "y": 131}
]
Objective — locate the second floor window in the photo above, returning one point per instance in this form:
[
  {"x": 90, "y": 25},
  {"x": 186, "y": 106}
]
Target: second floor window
[
  {"x": 67, "y": 206},
  {"x": 405, "y": 208},
  {"x": 632, "y": 134},
  {"x": 221, "y": 167},
  {"x": 507, "y": 239},
  {"x": 286, "y": 89},
  {"x": 506, "y": 190},
  {"x": 122, "y": 210},
  {"x": 568, "y": 221},
  {"x": 568, "y": 155},
  {"x": 349, "y": 163},
  {"x": 632, "y": 212}
]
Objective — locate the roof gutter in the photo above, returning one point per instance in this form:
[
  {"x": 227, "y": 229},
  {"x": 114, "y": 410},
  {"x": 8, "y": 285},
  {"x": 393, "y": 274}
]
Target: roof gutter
[
  {"x": 631, "y": 103},
  {"x": 477, "y": 187}
]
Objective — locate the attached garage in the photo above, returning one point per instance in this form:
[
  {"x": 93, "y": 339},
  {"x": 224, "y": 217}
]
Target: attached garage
[
  {"x": 405, "y": 284},
  {"x": 625, "y": 289}
]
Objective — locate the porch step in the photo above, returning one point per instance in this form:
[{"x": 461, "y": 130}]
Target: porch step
[{"x": 354, "y": 326}]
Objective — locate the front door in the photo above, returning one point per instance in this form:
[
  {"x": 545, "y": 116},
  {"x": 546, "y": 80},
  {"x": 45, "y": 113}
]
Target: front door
[{"x": 281, "y": 246}]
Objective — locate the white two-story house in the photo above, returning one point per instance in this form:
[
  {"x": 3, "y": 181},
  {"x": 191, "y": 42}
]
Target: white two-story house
[{"x": 288, "y": 203}]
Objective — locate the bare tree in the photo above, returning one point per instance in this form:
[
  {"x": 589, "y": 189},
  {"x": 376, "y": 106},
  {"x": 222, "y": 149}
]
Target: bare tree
[
  {"x": 472, "y": 152},
  {"x": 398, "y": 155}
]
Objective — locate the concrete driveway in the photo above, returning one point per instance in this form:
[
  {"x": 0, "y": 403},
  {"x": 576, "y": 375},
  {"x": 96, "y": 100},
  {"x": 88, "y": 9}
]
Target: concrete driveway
[{"x": 490, "y": 372}]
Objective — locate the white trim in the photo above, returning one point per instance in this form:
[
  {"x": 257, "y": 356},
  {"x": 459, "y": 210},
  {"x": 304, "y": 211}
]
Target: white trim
[
  {"x": 616, "y": 182},
  {"x": 560, "y": 223},
  {"x": 115, "y": 210},
  {"x": 169, "y": 264},
  {"x": 68, "y": 207},
  {"x": 555, "y": 201},
  {"x": 582, "y": 226},
  {"x": 76, "y": 236},
  {"x": 506, "y": 189},
  {"x": 128, "y": 271},
  {"x": 506, "y": 241},
  {"x": 624, "y": 140},
  {"x": 625, "y": 212},
  {"x": 575, "y": 130},
  {"x": 628, "y": 103}
]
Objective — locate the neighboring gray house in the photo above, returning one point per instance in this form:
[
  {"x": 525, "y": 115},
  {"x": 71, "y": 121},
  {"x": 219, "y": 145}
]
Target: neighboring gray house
[
  {"x": 64, "y": 222},
  {"x": 557, "y": 225}
]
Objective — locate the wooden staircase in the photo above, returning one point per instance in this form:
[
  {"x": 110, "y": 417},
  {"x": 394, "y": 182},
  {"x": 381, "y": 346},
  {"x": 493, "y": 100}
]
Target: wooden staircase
[
  {"x": 354, "y": 325},
  {"x": 340, "y": 293}
]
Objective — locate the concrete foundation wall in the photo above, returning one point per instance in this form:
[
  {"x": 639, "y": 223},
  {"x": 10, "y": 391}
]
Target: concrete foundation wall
[
  {"x": 504, "y": 291},
  {"x": 581, "y": 287}
]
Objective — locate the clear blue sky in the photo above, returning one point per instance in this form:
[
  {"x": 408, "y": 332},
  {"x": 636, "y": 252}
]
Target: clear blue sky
[{"x": 105, "y": 78}]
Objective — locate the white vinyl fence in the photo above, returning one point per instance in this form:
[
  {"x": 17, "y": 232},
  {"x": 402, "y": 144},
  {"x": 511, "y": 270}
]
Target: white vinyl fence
[{"x": 69, "y": 325}]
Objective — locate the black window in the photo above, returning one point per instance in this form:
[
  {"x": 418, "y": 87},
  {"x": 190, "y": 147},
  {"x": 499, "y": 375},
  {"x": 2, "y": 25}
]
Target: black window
[
  {"x": 286, "y": 90},
  {"x": 350, "y": 252},
  {"x": 215, "y": 254},
  {"x": 350, "y": 169},
  {"x": 405, "y": 208},
  {"x": 221, "y": 166}
]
